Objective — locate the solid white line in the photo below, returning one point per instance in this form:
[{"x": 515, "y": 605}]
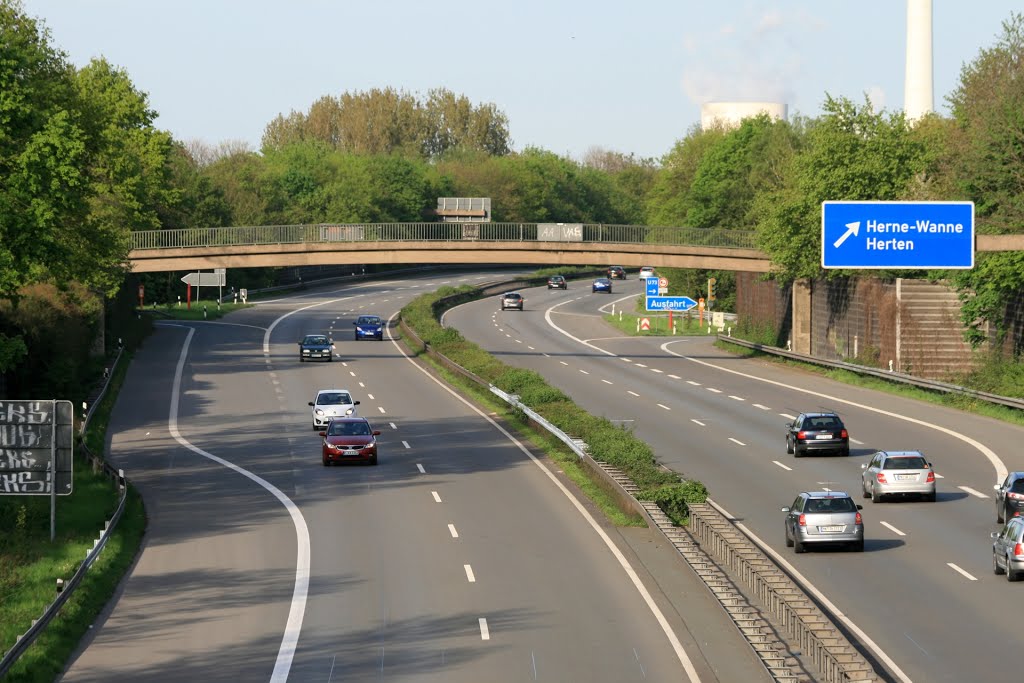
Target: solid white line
[
  {"x": 787, "y": 416},
  {"x": 893, "y": 529},
  {"x": 607, "y": 382},
  {"x": 788, "y": 469},
  {"x": 737, "y": 441},
  {"x": 633, "y": 393},
  {"x": 406, "y": 444},
  {"x": 436, "y": 495},
  {"x": 584, "y": 372},
  {"x": 817, "y": 594},
  {"x": 420, "y": 468},
  {"x": 737, "y": 398},
  {"x": 656, "y": 370},
  {"x": 698, "y": 422},
  {"x": 380, "y": 409},
  {"x": 713, "y": 390},
  {"x": 690, "y": 381},
  {"x": 393, "y": 425},
  {"x": 758, "y": 405},
  {"x": 370, "y": 396},
  {"x": 452, "y": 531},
  {"x": 961, "y": 571},
  {"x": 662, "y": 405},
  {"x": 484, "y": 633},
  {"x": 675, "y": 376},
  {"x": 286, "y": 651},
  {"x": 971, "y": 491},
  {"x": 469, "y": 573}
]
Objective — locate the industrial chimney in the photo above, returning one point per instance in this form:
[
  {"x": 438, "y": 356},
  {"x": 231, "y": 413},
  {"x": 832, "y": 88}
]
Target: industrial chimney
[{"x": 917, "y": 87}]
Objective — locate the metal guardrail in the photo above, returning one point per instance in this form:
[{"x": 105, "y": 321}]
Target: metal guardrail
[
  {"x": 903, "y": 378},
  {"x": 418, "y": 232},
  {"x": 65, "y": 590}
]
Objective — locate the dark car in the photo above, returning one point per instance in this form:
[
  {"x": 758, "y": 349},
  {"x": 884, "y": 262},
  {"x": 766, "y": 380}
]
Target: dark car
[
  {"x": 601, "y": 284},
  {"x": 817, "y": 433},
  {"x": 616, "y": 273},
  {"x": 512, "y": 300},
  {"x": 824, "y": 517},
  {"x": 316, "y": 346},
  {"x": 349, "y": 439},
  {"x": 557, "y": 282},
  {"x": 1010, "y": 496},
  {"x": 369, "y": 327}
]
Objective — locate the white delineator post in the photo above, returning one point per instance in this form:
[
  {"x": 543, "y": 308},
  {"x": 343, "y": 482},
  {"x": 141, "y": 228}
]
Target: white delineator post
[{"x": 918, "y": 99}]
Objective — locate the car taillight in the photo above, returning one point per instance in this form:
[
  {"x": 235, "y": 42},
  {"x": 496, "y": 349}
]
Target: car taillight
[
  {"x": 803, "y": 520},
  {"x": 880, "y": 477},
  {"x": 1014, "y": 496},
  {"x": 801, "y": 435},
  {"x": 844, "y": 434},
  {"x": 1018, "y": 549},
  {"x": 931, "y": 477},
  {"x": 859, "y": 519}
]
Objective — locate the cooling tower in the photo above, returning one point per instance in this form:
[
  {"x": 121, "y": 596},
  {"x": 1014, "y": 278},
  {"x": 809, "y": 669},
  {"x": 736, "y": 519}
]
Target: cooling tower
[
  {"x": 730, "y": 114},
  {"x": 917, "y": 87}
]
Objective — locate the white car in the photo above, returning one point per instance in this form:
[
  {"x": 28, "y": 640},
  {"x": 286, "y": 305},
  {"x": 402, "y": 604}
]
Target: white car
[
  {"x": 646, "y": 271},
  {"x": 332, "y": 403}
]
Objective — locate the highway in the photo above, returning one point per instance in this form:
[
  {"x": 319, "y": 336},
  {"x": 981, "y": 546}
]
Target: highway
[
  {"x": 460, "y": 557},
  {"x": 922, "y": 592}
]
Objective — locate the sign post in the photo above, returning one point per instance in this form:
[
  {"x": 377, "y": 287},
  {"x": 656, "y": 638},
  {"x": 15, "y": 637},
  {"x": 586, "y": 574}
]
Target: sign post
[
  {"x": 893, "y": 235},
  {"x": 142, "y": 295}
]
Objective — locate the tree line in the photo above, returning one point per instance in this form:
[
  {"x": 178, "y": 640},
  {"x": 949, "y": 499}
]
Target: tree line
[{"x": 83, "y": 165}]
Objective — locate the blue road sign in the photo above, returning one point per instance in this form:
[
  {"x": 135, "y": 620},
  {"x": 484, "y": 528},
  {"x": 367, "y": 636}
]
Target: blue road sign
[
  {"x": 652, "y": 286},
  {"x": 897, "y": 235},
  {"x": 669, "y": 303}
]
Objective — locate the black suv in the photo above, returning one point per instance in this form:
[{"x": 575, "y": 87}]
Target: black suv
[
  {"x": 616, "y": 272},
  {"x": 817, "y": 432},
  {"x": 1010, "y": 496},
  {"x": 557, "y": 282}
]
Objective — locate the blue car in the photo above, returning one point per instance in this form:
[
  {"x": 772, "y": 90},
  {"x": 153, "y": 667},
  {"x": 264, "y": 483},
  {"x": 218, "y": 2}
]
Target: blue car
[
  {"x": 369, "y": 327},
  {"x": 602, "y": 284}
]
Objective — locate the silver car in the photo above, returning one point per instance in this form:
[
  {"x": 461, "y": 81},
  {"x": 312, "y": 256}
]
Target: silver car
[
  {"x": 898, "y": 473},
  {"x": 1008, "y": 549},
  {"x": 824, "y": 517},
  {"x": 332, "y": 403}
]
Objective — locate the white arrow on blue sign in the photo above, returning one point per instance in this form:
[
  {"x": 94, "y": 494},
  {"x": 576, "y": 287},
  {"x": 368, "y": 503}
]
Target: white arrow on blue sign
[
  {"x": 670, "y": 303},
  {"x": 897, "y": 235}
]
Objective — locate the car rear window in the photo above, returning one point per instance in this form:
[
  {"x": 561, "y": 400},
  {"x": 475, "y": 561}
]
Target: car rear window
[
  {"x": 1017, "y": 486},
  {"x": 909, "y": 463},
  {"x": 822, "y": 423},
  {"x": 830, "y": 505}
]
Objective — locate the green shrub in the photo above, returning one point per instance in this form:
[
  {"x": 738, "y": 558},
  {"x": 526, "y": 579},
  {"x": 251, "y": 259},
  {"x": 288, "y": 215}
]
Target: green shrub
[
  {"x": 674, "y": 500},
  {"x": 516, "y": 380}
]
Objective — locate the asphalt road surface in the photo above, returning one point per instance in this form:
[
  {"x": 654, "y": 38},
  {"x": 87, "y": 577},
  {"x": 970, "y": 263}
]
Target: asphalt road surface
[
  {"x": 460, "y": 557},
  {"x": 923, "y": 592}
]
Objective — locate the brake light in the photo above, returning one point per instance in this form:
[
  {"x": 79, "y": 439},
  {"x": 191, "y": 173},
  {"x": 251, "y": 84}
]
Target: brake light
[
  {"x": 801, "y": 435},
  {"x": 1018, "y": 549},
  {"x": 881, "y": 478},
  {"x": 931, "y": 477},
  {"x": 859, "y": 519},
  {"x": 803, "y": 520},
  {"x": 1014, "y": 496},
  {"x": 844, "y": 434}
]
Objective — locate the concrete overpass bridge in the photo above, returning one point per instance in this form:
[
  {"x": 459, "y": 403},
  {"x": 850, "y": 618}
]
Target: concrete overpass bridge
[{"x": 544, "y": 244}]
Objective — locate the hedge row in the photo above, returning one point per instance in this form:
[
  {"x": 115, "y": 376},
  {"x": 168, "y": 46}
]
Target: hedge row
[{"x": 607, "y": 442}]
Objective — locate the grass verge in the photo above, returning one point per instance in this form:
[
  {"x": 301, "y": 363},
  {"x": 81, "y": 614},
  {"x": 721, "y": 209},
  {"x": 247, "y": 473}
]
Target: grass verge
[
  {"x": 206, "y": 310},
  {"x": 30, "y": 564}
]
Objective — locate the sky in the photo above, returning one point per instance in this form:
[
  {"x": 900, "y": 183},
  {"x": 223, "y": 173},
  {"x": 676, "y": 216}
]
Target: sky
[{"x": 571, "y": 75}]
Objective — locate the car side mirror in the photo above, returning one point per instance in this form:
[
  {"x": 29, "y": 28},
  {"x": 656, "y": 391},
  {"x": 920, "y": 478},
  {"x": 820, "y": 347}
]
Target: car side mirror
[
  {"x": 323, "y": 433},
  {"x": 355, "y": 323},
  {"x": 994, "y": 534},
  {"x": 860, "y": 507},
  {"x": 310, "y": 403},
  {"x": 355, "y": 403},
  {"x": 333, "y": 347},
  {"x": 786, "y": 509},
  {"x": 996, "y": 487},
  {"x": 376, "y": 432},
  {"x": 863, "y": 465}
]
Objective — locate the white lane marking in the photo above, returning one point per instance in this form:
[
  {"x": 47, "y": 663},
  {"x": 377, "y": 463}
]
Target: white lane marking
[
  {"x": 485, "y": 634},
  {"x": 675, "y": 376},
  {"x": 641, "y": 365},
  {"x": 381, "y": 409},
  {"x": 406, "y": 444},
  {"x": 563, "y": 362},
  {"x": 584, "y": 372},
  {"x": 677, "y": 647},
  {"x": 788, "y": 469},
  {"x": 469, "y": 573},
  {"x": 344, "y": 364},
  {"x": 362, "y": 385},
  {"x": 698, "y": 422},
  {"x": 657, "y": 370},
  {"x": 266, "y": 335},
  {"x": 607, "y": 382},
  {"x": 420, "y": 468},
  {"x": 530, "y": 347},
  {"x": 787, "y": 416},
  {"x": 737, "y": 441},
  {"x": 859, "y": 443},
  {"x": 971, "y": 491},
  {"x": 436, "y": 495},
  {"x": 760, "y": 407},
  {"x": 352, "y": 373},
  {"x": 393, "y": 425},
  {"x": 713, "y": 390},
  {"x": 633, "y": 393},
  {"x": 690, "y": 381},
  {"x": 960, "y": 571},
  {"x": 627, "y": 360},
  {"x": 286, "y": 651},
  {"x": 370, "y": 396},
  {"x": 452, "y": 531},
  {"x": 893, "y": 529},
  {"x": 737, "y": 398},
  {"x": 518, "y": 342},
  {"x": 993, "y": 459},
  {"x": 817, "y": 594},
  {"x": 508, "y": 335},
  {"x": 938, "y": 476},
  {"x": 545, "y": 355},
  {"x": 662, "y": 405}
]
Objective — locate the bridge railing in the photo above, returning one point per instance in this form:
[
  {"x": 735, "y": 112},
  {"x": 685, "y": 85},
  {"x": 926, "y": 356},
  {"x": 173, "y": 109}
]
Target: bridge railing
[{"x": 323, "y": 233}]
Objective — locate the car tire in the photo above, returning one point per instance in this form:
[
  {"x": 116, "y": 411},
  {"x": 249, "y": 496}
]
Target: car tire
[
  {"x": 797, "y": 453},
  {"x": 798, "y": 546},
  {"x": 356, "y": 337},
  {"x": 845, "y": 452},
  {"x": 327, "y": 463},
  {"x": 1011, "y": 575},
  {"x": 330, "y": 359},
  {"x": 876, "y": 497},
  {"x": 301, "y": 359},
  {"x": 1000, "y": 515},
  {"x": 789, "y": 447},
  {"x": 373, "y": 460},
  {"x": 996, "y": 569},
  {"x": 789, "y": 541},
  {"x": 864, "y": 489},
  {"x": 930, "y": 497},
  {"x": 858, "y": 546},
  {"x": 380, "y": 337}
]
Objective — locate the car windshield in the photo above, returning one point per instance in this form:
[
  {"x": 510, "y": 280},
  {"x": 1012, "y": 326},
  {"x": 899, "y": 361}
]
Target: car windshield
[
  {"x": 915, "y": 462},
  {"x": 349, "y": 429},
  {"x": 830, "y": 505},
  {"x": 333, "y": 399},
  {"x": 315, "y": 340},
  {"x": 368, "y": 320},
  {"x": 823, "y": 422}
]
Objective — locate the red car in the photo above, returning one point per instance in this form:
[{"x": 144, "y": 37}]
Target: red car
[{"x": 350, "y": 439}]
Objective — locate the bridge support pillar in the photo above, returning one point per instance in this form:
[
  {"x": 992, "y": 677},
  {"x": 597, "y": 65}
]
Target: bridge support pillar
[{"x": 802, "y": 316}]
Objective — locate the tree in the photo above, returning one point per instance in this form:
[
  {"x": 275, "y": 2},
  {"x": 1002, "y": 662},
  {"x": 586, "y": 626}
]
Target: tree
[{"x": 668, "y": 202}]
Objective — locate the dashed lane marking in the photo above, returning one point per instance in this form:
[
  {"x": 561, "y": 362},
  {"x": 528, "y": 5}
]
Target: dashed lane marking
[
  {"x": 893, "y": 529},
  {"x": 788, "y": 469},
  {"x": 737, "y": 441}
]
